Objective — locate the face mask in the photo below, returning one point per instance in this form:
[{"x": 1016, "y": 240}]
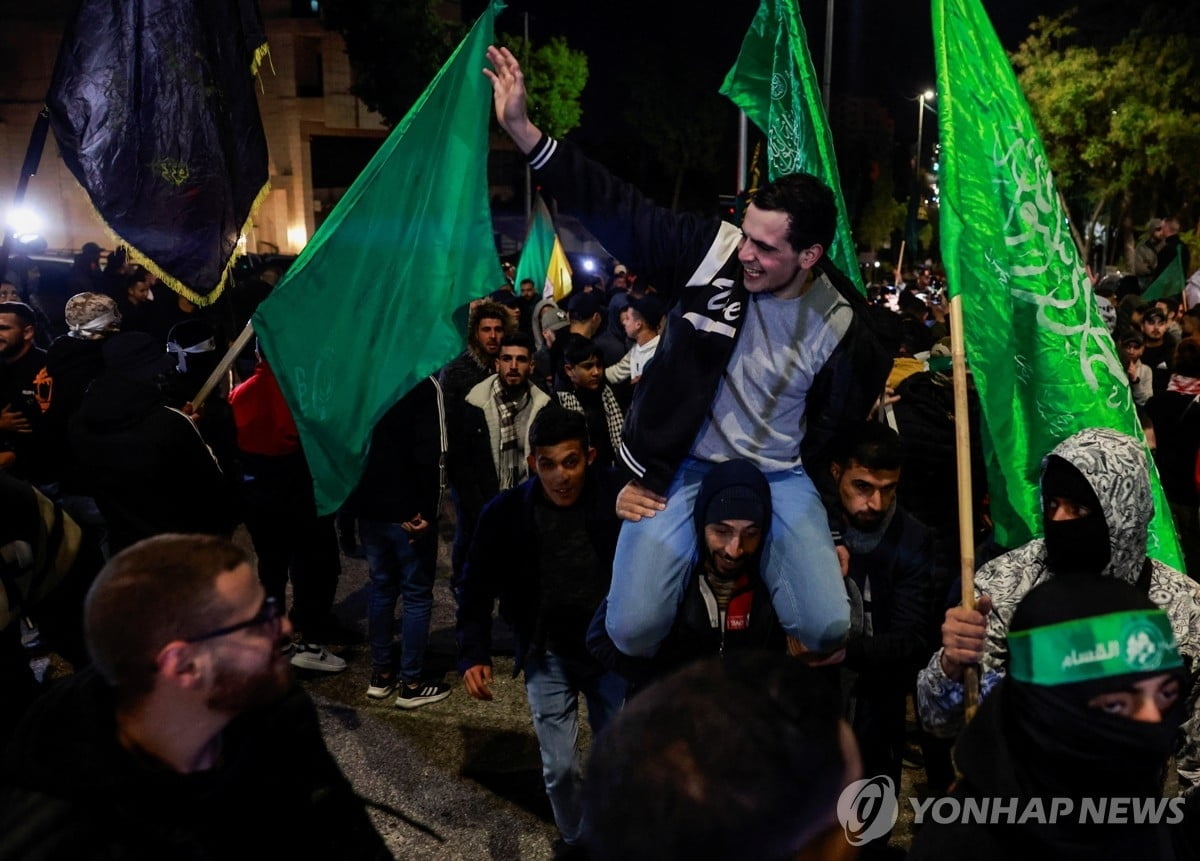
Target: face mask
[{"x": 1078, "y": 546}]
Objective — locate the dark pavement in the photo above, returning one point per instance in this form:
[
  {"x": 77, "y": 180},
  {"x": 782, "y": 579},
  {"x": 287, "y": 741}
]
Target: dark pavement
[{"x": 466, "y": 770}]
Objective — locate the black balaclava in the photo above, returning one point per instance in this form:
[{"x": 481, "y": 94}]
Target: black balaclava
[
  {"x": 1034, "y": 740},
  {"x": 1079, "y": 546}
]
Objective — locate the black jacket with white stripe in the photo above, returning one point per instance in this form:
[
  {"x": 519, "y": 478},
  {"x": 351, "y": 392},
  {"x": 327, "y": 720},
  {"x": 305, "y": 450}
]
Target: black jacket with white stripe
[{"x": 694, "y": 261}]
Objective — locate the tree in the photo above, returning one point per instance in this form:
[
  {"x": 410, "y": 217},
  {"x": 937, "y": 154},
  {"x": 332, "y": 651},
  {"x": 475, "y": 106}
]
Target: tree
[
  {"x": 882, "y": 215},
  {"x": 1121, "y": 121},
  {"x": 555, "y": 77},
  {"x": 679, "y": 122},
  {"x": 395, "y": 48}
]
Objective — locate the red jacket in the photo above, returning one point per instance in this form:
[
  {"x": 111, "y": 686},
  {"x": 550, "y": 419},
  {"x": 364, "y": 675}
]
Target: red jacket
[{"x": 264, "y": 422}]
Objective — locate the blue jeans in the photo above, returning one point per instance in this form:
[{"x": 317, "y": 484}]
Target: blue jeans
[
  {"x": 655, "y": 556},
  {"x": 398, "y": 568},
  {"x": 553, "y": 685}
]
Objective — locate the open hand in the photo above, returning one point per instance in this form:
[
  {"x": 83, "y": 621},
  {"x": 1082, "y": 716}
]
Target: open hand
[{"x": 508, "y": 96}]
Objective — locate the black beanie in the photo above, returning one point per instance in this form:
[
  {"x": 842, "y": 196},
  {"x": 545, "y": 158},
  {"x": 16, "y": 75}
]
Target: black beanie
[
  {"x": 733, "y": 490},
  {"x": 735, "y": 503}
]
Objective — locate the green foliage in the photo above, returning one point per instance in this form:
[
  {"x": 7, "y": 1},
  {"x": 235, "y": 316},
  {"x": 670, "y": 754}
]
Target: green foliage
[
  {"x": 395, "y": 48},
  {"x": 679, "y": 122},
  {"x": 882, "y": 214},
  {"x": 555, "y": 77},
  {"x": 1120, "y": 123}
]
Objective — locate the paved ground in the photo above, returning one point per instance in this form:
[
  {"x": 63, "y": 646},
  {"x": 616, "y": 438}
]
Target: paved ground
[{"x": 466, "y": 770}]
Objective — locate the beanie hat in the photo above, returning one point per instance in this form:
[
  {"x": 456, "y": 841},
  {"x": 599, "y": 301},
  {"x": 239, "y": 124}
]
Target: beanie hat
[
  {"x": 735, "y": 503},
  {"x": 732, "y": 490}
]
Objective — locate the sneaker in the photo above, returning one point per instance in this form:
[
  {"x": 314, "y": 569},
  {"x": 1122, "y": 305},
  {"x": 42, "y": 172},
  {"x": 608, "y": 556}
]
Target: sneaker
[
  {"x": 309, "y": 656},
  {"x": 381, "y": 687},
  {"x": 422, "y": 695}
]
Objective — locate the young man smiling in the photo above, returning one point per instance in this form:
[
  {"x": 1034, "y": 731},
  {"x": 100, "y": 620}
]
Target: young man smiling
[
  {"x": 544, "y": 548},
  {"x": 726, "y": 608},
  {"x": 759, "y": 360}
]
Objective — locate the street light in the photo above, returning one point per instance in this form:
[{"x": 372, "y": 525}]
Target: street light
[
  {"x": 911, "y": 238},
  {"x": 927, "y": 96}
]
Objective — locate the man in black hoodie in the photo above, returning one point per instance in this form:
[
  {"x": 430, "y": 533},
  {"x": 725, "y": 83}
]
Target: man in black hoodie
[{"x": 146, "y": 464}]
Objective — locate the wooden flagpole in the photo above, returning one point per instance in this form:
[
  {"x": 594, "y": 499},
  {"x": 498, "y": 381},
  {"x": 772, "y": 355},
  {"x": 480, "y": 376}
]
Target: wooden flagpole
[
  {"x": 966, "y": 514},
  {"x": 222, "y": 367}
]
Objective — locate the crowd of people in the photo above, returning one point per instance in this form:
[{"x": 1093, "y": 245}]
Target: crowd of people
[{"x": 719, "y": 509}]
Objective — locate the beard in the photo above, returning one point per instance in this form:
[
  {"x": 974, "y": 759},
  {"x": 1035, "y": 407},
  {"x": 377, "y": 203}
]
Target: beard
[
  {"x": 236, "y": 690},
  {"x": 866, "y": 523}
]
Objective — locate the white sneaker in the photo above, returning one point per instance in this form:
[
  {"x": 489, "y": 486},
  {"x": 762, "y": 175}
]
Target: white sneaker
[{"x": 310, "y": 656}]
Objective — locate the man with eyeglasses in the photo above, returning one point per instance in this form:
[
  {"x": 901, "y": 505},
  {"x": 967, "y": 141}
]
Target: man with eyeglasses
[{"x": 186, "y": 738}]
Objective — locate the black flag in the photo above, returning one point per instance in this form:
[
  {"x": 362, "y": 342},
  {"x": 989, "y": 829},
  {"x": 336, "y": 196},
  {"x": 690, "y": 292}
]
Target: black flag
[{"x": 153, "y": 107}]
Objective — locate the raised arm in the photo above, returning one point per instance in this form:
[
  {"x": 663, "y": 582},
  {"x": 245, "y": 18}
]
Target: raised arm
[{"x": 508, "y": 95}]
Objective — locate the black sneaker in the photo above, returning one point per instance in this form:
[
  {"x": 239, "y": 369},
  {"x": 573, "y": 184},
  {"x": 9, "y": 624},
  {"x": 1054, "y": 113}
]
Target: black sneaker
[{"x": 422, "y": 695}]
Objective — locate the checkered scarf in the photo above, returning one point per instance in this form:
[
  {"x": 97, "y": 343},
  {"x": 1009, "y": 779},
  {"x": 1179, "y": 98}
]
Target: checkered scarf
[
  {"x": 511, "y": 466},
  {"x": 613, "y": 416}
]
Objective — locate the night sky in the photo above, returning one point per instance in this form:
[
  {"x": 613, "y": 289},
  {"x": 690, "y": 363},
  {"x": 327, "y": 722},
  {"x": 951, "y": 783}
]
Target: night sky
[{"x": 882, "y": 49}]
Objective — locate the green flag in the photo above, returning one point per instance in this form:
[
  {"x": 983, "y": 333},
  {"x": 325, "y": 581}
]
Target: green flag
[
  {"x": 365, "y": 311},
  {"x": 543, "y": 260},
  {"x": 774, "y": 82},
  {"x": 1042, "y": 358},
  {"x": 1169, "y": 283}
]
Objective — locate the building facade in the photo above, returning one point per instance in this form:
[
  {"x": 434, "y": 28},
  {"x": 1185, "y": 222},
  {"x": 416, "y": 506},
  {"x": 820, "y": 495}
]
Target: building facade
[{"x": 303, "y": 94}]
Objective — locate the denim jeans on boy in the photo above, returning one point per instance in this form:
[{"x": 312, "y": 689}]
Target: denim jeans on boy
[
  {"x": 553, "y": 685},
  {"x": 799, "y": 565},
  {"x": 399, "y": 569}
]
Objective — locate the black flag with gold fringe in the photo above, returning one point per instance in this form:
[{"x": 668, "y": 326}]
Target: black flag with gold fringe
[{"x": 153, "y": 107}]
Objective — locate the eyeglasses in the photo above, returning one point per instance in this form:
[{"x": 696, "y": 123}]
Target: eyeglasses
[{"x": 268, "y": 614}]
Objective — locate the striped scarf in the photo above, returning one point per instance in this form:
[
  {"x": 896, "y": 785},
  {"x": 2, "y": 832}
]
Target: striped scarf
[{"x": 511, "y": 466}]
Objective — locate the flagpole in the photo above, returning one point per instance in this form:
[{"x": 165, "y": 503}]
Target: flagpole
[
  {"x": 828, "y": 59},
  {"x": 222, "y": 367},
  {"x": 966, "y": 517},
  {"x": 528, "y": 169},
  {"x": 743, "y": 131}
]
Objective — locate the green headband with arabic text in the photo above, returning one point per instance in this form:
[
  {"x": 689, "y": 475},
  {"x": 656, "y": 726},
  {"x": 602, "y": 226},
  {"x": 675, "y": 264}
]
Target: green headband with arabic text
[{"x": 1097, "y": 647}]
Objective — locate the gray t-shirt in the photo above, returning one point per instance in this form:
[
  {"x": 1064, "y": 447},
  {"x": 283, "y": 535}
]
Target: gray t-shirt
[{"x": 758, "y": 412}]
